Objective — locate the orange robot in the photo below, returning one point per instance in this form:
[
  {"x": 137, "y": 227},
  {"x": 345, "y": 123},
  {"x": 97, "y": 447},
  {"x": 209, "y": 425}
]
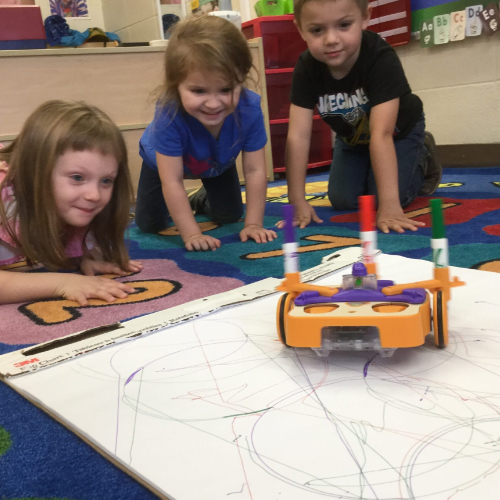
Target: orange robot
[{"x": 364, "y": 313}]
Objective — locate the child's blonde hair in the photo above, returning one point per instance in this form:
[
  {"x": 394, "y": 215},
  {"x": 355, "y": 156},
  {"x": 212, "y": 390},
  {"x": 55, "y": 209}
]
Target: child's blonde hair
[
  {"x": 206, "y": 43},
  {"x": 298, "y": 4},
  {"x": 52, "y": 129}
]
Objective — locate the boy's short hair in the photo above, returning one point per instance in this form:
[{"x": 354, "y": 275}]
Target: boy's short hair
[{"x": 298, "y": 4}]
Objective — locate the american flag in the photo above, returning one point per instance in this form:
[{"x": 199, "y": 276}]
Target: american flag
[{"x": 391, "y": 19}]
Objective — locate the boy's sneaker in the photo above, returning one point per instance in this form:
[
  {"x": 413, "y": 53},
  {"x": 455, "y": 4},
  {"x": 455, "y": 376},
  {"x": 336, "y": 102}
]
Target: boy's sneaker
[
  {"x": 197, "y": 199},
  {"x": 432, "y": 169}
]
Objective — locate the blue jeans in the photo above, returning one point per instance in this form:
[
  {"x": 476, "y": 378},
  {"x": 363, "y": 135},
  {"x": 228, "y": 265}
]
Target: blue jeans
[
  {"x": 223, "y": 203},
  {"x": 351, "y": 173}
]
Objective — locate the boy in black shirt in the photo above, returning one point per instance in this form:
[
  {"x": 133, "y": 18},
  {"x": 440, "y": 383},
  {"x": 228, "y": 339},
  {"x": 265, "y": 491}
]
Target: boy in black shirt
[{"x": 357, "y": 81}]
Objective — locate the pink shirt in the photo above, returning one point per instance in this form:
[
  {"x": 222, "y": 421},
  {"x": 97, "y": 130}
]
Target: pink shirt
[{"x": 9, "y": 252}]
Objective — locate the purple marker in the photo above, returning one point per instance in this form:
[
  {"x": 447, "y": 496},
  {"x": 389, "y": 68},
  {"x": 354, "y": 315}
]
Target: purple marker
[{"x": 290, "y": 245}]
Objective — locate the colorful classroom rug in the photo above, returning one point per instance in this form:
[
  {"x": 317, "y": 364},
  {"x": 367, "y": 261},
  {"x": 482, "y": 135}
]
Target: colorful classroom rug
[{"x": 40, "y": 459}]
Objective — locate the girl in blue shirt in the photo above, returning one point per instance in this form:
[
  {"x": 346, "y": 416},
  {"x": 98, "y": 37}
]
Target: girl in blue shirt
[{"x": 203, "y": 120}]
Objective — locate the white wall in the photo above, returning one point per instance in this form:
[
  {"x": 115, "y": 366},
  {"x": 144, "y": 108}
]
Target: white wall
[
  {"x": 173, "y": 8},
  {"x": 459, "y": 84},
  {"x": 132, "y": 20},
  {"x": 244, "y": 7},
  {"x": 95, "y": 12}
]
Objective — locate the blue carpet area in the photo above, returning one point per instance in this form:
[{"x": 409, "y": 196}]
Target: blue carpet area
[{"x": 40, "y": 459}]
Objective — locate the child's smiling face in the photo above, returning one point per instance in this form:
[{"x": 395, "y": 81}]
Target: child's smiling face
[
  {"x": 82, "y": 183},
  {"x": 332, "y": 30},
  {"x": 208, "y": 98}
]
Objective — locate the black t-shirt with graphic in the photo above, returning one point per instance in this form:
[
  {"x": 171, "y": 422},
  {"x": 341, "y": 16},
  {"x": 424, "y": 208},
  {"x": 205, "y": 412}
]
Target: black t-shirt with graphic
[{"x": 376, "y": 77}]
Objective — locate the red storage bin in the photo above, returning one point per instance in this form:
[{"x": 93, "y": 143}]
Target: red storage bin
[
  {"x": 278, "y": 94},
  {"x": 280, "y": 38},
  {"x": 21, "y": 27},
  {"x": 320, "y": 152},
  {"x": 392, "y": 21},
  {"x": 282, "y": 46}
]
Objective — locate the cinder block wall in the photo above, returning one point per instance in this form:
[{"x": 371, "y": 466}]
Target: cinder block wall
[
  {"x": 132, "y": 20},
  {"x": 459, "y": 84}
]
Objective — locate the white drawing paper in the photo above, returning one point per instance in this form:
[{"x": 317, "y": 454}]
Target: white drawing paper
[{"x": 218, "y": 408}]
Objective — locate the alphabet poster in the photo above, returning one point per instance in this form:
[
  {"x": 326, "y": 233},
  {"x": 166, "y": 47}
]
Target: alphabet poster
[{"x": 464, "y": 18}]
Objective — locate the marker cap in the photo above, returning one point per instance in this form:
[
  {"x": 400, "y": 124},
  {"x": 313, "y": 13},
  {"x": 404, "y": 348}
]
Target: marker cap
[
  {"x": 367, "y": 213},
  {"x": 289, "y": 233},
  {"x": 437, "y": 219}
]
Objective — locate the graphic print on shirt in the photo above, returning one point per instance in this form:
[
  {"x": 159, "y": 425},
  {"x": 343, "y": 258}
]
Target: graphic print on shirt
[
  {"x": 192, "y": 166},
  {"x": 352, "y": 109},
  {"x": 203, "y": 168}
]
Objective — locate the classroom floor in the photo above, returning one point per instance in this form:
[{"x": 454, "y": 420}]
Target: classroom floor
[{"x": 58, "y": 465}]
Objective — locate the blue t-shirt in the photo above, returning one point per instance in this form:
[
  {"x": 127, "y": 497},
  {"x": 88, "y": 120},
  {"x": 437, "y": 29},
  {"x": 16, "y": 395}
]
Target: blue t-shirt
[{"x": 202, "y": 155}]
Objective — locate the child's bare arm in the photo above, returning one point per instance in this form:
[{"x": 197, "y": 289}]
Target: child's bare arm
[
  {"x": 170, "y": 170},
  {"x": 384, "y": 162},
  {"x": 23, "y": 287},
  {"x": 94, "y": 263},
  {"x": 254, "y": 170},
  {"x": 296, "y": 158}
]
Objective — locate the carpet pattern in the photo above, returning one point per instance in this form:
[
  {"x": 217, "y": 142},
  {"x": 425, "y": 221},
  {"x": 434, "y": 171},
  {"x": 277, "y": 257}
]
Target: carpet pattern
[{"x": 41, "y": 459}]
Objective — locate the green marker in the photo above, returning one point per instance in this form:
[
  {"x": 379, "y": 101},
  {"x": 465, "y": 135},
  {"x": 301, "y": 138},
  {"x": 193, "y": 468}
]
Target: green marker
[{"x": 439, "y": 242}]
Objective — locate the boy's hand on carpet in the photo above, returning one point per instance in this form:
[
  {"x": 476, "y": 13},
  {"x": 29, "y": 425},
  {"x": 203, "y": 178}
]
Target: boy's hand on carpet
[
  {"x": 257, "y": 233},
  {"x": 91, "y": 267},
  {"x": 393, "y": 218},
  {"x": 201, "y": 242},
  {"x": 304, "y": 213},
  {"x": 82, "y": 288}
]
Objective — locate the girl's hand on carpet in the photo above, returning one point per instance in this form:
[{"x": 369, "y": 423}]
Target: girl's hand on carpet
[
  {"x": 91, "y": 267},
  {"x": 201, "y": 242},
  {"x": 257, "y": 233},
  {"x": 81, "y": 288},
  {"x": 23, "y": 287},
  {"x": 304, "y": 213},
  {"x": 393, "y": 218}
]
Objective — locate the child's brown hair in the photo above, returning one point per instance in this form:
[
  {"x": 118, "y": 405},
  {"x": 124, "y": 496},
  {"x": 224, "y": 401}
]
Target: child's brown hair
[
  {"x": 298, "y": 4},
  {"x": 52, "y": 129},
  {"x": 205, "y": 43}
]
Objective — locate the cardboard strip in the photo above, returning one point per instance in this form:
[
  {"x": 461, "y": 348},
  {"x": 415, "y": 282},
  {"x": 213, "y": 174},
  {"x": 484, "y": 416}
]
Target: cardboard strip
[{"x": 56, "y": 351}]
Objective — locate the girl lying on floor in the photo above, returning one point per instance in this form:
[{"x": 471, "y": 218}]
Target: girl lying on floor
[{"x": 65, "y": 195}]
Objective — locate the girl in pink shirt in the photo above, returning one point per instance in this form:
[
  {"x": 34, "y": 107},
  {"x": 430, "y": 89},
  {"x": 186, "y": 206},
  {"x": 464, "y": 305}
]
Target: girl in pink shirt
[{"x": 65, "y": 195}]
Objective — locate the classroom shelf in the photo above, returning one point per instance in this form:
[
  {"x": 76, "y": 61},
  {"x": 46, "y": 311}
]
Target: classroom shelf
[
  {"x": 320, "y": 152},
  {"x": 281, "y": 41},
  {"x": 282, "y": 46},
  {"x": 278, "y": 93}
]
